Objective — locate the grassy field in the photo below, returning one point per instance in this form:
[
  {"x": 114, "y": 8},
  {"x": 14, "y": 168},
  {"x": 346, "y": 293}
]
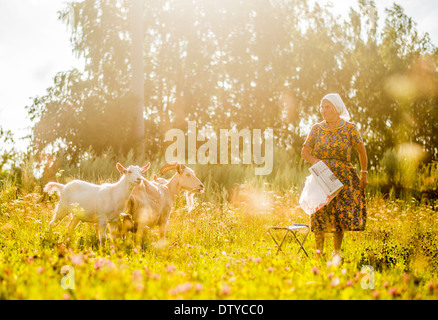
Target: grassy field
[{"x": 220, "y": 250}]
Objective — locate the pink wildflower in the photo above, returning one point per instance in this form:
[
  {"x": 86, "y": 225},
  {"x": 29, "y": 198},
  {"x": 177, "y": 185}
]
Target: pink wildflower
[
  {"x": 155, "y": 276},
  {"x": 349, "y": 283},
  {"x": 315, "y": 270},
  {"x": 137, "y": 276},
  {"x": 335, "y": 282},
  {"x": 181, "y": 288},
  {"x": 100, "y": 263},
  {"x": 77, "y": 259},
  {"x": 393, "y": 292},
  {"x": 170, "y": 268},
  {"x": 225, "y": 290},
  {"x": 198, "y": 287}
]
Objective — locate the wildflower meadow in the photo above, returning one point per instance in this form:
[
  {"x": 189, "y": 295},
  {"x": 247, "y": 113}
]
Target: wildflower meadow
[{"x": 219, "y": 251}]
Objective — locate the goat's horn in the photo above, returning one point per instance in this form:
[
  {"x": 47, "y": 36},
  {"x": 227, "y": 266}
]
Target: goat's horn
[{"x": 168, "y": 167}]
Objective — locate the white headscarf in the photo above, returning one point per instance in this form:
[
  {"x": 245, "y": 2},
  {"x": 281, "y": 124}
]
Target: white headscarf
[{"x": 339, "y": 105}]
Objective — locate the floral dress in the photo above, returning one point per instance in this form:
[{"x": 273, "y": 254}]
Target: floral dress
[{"x": 347, "y": 211}]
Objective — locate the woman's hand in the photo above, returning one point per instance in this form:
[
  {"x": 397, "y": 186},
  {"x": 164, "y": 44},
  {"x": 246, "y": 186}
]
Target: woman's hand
[
  {"x": 363, "y": 180},
  {"x": 363, "y": 159},
  {"x": 306, "y": 153}
]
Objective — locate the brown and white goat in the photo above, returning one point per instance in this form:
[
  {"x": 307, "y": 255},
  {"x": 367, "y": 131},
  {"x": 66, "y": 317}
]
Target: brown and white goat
[{"x": 151, "y": 202}]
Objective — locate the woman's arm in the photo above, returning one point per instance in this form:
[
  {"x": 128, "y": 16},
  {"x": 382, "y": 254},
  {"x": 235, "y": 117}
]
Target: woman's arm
[
  {"x": 363, "y": 159},
  {"x": 306, "y": 154}
]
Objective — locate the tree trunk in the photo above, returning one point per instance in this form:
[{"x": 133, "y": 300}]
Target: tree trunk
[{"x": 137, "y": 75}]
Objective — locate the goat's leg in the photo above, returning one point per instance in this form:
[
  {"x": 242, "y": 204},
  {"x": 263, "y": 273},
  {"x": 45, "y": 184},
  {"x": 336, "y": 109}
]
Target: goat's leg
[
  {"x": 60, "y": 212},
  {"x": 127, "y": 224},
  {"x": 162, "y": 223},
  {"x": 162, "y": 230},
  {"x": 102, "y": 231},
  {"x": 71, "y": 227},
  {"x": 96, "y": 229},
  {"x": 140, "y": 233},
  {"x": 114, "y": 230}
]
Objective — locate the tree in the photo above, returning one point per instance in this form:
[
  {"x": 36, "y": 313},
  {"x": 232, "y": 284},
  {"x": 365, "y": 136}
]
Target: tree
[
  {"x": 393, "y": 84},
  {"x": 244, "y": 64},
  {"x": 76, "y": 114},
  {"x": 7, "y": 154},
  {"x": 136, "y": 11}
]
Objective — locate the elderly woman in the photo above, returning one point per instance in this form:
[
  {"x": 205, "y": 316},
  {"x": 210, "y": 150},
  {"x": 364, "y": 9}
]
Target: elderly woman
[{"x": 331, "y": 141}]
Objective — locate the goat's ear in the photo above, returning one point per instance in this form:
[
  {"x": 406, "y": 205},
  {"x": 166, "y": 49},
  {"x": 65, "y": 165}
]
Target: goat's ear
[
  {"x": 179, "y": 168},
  {"x": 121, "y": 168},
  {"x": 146, "y": 167}
]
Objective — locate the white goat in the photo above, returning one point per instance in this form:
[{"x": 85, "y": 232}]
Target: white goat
[
  {"x": 95, "y": 203},
  {"x": 151, "y": 202}
]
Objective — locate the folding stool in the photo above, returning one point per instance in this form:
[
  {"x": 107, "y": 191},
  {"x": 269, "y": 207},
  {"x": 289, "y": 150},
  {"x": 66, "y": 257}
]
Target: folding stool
[{"x": 292, "y": 229}]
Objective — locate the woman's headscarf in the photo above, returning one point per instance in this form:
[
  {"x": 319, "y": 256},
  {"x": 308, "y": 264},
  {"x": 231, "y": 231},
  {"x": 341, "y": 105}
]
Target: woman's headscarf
[{"x": 339, "y": 105}]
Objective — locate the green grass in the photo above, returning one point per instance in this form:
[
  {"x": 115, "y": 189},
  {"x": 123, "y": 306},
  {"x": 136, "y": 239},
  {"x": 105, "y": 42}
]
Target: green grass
[{"x": 221, "y": 250}]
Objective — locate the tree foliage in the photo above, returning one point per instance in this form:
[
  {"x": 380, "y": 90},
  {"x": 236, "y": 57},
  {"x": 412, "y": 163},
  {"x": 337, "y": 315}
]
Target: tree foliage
[
  {"x": 7, "y": 152},
  {"x": 244, "y": 64}
]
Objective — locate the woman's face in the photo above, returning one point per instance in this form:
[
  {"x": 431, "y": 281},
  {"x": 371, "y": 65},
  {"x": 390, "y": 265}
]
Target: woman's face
[{"x": 328, "y": 111}]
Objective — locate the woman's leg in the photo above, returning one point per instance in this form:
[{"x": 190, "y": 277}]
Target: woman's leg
[
  {"x": 338, "y": 237},
  {"x": 319, "y": 240}
]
